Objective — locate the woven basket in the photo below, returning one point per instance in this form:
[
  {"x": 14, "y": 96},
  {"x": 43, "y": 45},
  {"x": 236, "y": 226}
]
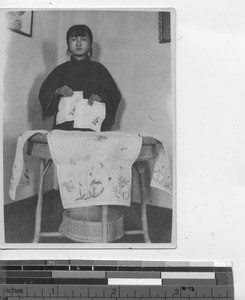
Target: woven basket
[
  {"x": 147, "y": 152},
  {"x": 38, "y": 147},
  {"x": 85, "y": 224}
]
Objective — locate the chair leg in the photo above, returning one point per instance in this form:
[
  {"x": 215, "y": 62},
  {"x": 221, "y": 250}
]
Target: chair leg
[
  {"x": 141, "y": 167},
  {"x": 43, "y": 170},
  {"x": 104, "y": 224}
]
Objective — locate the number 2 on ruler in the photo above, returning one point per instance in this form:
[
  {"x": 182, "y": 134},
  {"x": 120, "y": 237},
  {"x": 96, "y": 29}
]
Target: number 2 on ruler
[{"x": 114, "y": 292}]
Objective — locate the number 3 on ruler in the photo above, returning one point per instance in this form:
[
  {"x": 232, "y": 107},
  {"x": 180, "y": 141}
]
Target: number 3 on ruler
[{"x": 176, "y": 292}]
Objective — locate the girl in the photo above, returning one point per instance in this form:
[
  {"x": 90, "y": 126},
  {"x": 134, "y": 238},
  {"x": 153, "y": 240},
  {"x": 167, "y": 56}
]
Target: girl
[{"x": 80, "y": 74}]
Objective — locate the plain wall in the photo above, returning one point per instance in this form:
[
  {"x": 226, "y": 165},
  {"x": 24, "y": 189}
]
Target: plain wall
[
  {"x": 126, "y": 42},
  {"x": 27, "y": 62}
]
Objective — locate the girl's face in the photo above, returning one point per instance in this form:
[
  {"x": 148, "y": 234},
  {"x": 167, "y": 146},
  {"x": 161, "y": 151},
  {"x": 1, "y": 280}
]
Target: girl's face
[{"x": 79, "y": 46}]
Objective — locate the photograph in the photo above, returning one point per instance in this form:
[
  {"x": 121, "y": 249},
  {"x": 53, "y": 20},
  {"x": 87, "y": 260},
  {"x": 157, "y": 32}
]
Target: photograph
[{"x": 89, "y": 129}]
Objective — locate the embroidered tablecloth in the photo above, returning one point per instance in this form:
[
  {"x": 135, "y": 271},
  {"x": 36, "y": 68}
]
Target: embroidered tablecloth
[{"x": 93, "y": 168}]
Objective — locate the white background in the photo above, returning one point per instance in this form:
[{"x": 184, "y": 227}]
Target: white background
[{"x": 210, "y": 137}]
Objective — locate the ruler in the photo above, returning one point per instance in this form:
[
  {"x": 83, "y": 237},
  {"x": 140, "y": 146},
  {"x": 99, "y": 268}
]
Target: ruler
[{"x": 123, "y": 280}]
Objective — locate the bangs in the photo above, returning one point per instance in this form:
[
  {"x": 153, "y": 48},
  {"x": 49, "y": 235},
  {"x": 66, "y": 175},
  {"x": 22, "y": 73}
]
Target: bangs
[{"x": 79, "y": 30}]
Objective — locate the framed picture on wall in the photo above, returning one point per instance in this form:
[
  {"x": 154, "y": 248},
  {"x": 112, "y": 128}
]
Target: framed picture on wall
[
  {"x": 99, "y": 161},
  {"x": 21, "y": 22},
  {"x": 164, "y": 22}
]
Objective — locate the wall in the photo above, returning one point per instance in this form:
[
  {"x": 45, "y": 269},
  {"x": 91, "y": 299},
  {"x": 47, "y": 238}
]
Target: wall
[
  {"x": 28, "y": 61},
  {"x": 126, "y": 42}
]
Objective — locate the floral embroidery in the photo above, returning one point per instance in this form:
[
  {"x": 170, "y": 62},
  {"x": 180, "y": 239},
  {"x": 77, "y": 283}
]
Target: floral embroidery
[
  {"x": 95, "y": 121},
  {"x": 100, "y": 138},
  {"x": 12, "y": 179},
  {"x": 100, "y": 177},
  {"x": 161, "y": 175},
  {"x": 162, "y": 178},
  {"x": 87, "y": 157},
  {"x": 121, "y": 190},
  {"x": 69, "y": 186},
  {"x": 24, "y": 178},
  {"x": 72, "y": 112},
  {"x": 96, "y": 180},
  {"x": 92, "y": 191},
  {"x": 12, "y": 182},
  {"x": 124, "y": 148},
  {"x": 72, "y": 162}
]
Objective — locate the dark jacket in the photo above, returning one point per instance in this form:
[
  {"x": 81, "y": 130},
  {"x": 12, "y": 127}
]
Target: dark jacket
[{"x": 88, "y": 76}]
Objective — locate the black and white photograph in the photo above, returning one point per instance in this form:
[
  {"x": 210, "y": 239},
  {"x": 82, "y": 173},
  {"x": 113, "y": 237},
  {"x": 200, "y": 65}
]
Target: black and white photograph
[
  {"x": 122, "y": 148},
  {"x": 89, "y": 129}
]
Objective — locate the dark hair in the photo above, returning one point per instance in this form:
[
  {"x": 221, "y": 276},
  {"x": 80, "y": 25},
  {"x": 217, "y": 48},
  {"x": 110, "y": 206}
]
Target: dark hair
[{"x": 80, "y": 30}]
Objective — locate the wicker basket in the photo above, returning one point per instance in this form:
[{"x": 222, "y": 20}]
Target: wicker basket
[
  {"x": 38, "y": 147},
  {"x": 147, "y": 152},
  {"x": 85, "y": 224}
]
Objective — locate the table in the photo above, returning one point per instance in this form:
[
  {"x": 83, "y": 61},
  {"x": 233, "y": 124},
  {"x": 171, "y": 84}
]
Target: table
[{"x": 38, "y": 148}]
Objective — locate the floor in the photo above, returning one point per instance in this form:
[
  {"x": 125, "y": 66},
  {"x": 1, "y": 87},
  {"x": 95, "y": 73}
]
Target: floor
[{"x": 20, "y": 218}]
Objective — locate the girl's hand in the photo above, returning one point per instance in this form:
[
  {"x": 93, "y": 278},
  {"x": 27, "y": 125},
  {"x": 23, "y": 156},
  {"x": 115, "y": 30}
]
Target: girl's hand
[
  {"x": 64, "y": 91},
  {"x": 93, "y": 98}
]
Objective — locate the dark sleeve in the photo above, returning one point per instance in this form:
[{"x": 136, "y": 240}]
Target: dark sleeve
[
  {"x": 111, "y": 96},
  {"x": 47, "y": 98}
]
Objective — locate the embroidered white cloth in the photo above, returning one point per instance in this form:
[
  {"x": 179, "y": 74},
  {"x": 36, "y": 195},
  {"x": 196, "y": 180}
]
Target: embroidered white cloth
[
  {"x": 66, "y": 108},
  {"x": 76, "y": 109},
  {"x": 20, "y": 174},
  {"x": 161, "y": 177},
  {"x": 87, "y": 116},
  {"x": 94, "y": 168}
]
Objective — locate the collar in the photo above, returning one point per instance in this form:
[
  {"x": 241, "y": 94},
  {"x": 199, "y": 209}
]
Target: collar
[{"x": 79, "y": 61}]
